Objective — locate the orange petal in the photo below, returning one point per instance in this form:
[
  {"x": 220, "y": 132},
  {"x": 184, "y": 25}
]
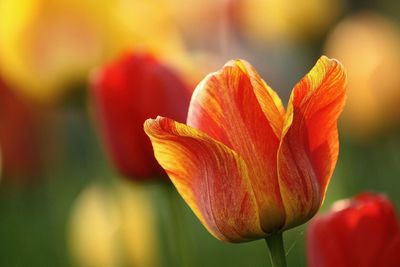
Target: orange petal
[
  {"x": 211, "y": 178},
  {"x": 237, "y": 108},
  {"x": 309, "y": 146}
]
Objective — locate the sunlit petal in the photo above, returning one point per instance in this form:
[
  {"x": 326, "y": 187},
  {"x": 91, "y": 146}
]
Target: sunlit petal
[
  {"x": 237, "y": 108},
  {"x": 309, "y": 146},
  {"x": 211, "y": 178}
]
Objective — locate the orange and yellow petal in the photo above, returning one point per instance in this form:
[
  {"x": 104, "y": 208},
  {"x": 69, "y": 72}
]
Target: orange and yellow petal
[
  {"x": 211, "y": 178},
  {"x": 309, "y": 147},
  {"x": 237, "y": 108}
]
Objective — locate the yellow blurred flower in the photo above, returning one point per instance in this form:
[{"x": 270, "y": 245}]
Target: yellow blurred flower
[
  {"x": 198, "y": 20},
  {"x": 112, "y": 227},
  {"x": 45, "y": 46},
  {"x": 265, "y": 20},
  {"x": 369, "y": 46}
]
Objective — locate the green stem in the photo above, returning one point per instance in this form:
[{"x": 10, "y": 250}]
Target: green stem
[
  {"x": 180, "y": 244},
  {"x": 276, "y": 250}
]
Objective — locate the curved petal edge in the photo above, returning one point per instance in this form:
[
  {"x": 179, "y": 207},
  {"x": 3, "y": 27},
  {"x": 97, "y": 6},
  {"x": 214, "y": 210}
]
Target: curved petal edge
[
  {"x": 210, "y": 177},
  {"x": 309, "y": 145}
]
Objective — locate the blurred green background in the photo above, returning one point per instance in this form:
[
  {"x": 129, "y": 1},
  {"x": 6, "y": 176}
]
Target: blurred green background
[{"x": 40, "y": 192}]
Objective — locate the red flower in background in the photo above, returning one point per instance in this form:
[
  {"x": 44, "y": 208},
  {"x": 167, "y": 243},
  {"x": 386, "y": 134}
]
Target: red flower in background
[
  {"x": 362, "y": 232},
  {"x": 127, "y": 92},
  {"x": 19, "y": 138}
]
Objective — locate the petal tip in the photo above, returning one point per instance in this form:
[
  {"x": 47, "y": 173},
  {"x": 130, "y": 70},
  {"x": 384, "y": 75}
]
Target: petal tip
[
  {"x": 152, "y": 126},
  {"x": 238, "y": 62},
  {"x": 330, "y": 61}
]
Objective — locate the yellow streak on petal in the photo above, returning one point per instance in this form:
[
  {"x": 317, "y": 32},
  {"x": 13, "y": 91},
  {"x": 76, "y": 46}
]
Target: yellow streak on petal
[
  {"x": 270, "y": 102},
  {"x": 237, "y": 108},
  {"x": 309, "y": 145},
  {"x": 211, "y": 178}
]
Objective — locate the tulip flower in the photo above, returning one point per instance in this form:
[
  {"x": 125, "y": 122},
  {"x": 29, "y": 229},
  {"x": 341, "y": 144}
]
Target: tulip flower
[
  {"x": 247, "y": 167},
  {"x": 360, "y": 232},
  {"x": 127, "y": 92}
]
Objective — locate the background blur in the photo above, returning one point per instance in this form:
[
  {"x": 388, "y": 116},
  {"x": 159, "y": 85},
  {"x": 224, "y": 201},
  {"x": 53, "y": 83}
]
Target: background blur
[{"x": 61, "y": 201}]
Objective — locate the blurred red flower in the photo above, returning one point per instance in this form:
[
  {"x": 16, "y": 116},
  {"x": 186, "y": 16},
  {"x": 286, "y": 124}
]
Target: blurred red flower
[
  {"x": 19, "y": 138},
  {"x": 362, "y": 232},
  {"x": 125, "y": 93}
]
